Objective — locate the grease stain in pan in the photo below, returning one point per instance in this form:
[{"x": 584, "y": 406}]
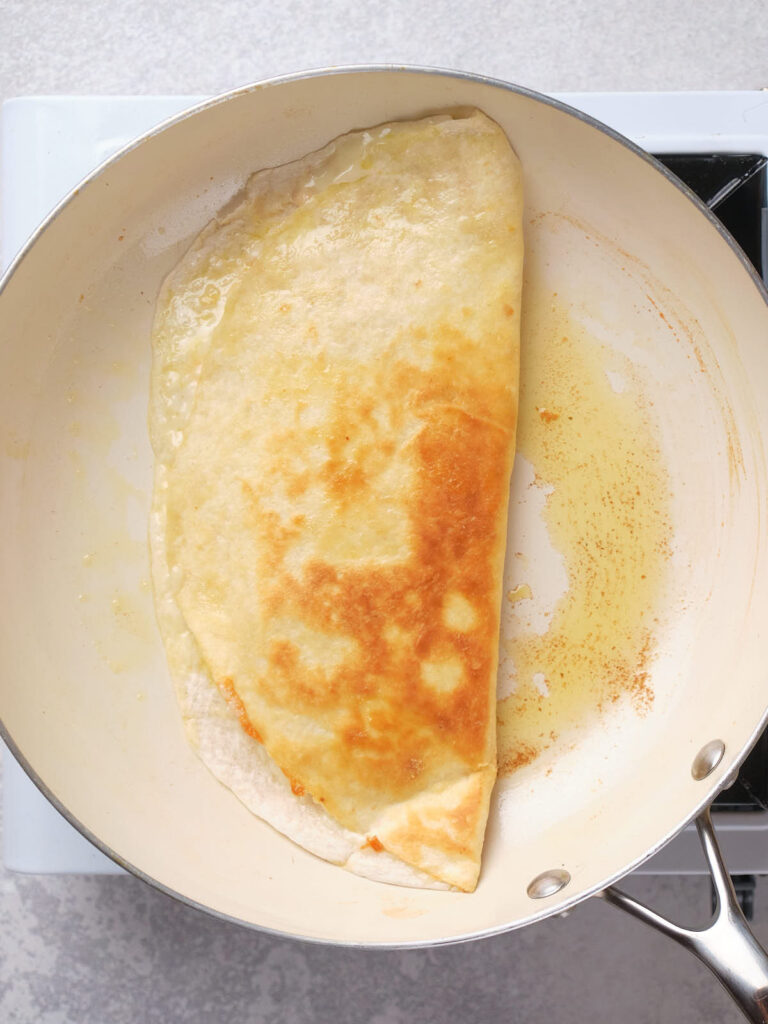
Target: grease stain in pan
[
  {"x": 403, "y": 912},
  {"x": 606, "y": 509}
]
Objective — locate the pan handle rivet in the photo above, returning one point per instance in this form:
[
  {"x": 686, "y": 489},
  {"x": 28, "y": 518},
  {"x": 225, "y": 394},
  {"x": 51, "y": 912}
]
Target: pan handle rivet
[
  {"x": 707, "y": 759},
  {"x": 548, "y": 883}
]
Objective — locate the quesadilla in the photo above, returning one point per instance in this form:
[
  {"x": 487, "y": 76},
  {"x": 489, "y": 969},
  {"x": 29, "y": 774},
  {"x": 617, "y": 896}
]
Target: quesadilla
[{"x": 333, "y": 412}]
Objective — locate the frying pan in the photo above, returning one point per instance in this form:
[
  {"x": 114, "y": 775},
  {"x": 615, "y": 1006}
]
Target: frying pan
[{"x": 86, "y": 703}]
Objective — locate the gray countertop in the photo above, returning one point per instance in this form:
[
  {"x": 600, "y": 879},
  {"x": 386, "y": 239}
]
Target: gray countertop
[
  {"x": 103, "y": 950},
  {"x": 158, "y": 46}
]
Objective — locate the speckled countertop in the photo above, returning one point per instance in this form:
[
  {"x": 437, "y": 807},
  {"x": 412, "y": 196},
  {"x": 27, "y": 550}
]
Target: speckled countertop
[{"x": 108, "y": 950}]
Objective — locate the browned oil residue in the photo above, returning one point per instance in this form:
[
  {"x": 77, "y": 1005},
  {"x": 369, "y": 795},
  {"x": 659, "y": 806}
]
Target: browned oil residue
[
  {"x": 607, "y": 513},
  {"x": 684, "y": 332},
  {"x": 516, "y": 756},
  {"x": 403, "y": 912}
]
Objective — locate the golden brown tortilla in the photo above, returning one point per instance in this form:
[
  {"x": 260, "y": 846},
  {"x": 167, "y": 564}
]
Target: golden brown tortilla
[{"x": 334, "y": 401}]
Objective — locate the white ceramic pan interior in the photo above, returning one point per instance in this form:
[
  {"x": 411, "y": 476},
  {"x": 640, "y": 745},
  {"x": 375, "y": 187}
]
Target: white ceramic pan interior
[{"x": 85, "y": 696}]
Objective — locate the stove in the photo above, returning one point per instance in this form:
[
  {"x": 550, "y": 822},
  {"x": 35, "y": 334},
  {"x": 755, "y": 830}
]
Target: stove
[{"x": 716, "y": 142}]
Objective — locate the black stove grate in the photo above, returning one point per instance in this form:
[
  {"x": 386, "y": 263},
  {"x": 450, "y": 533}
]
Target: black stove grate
[{"x": 735, "y": 187}]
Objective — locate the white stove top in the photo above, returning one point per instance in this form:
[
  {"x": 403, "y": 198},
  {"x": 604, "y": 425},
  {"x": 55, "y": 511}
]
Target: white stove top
[{"x": 49, "y": 144}]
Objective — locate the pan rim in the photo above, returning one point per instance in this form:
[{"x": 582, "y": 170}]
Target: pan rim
[{"x": 560, "y": 905}]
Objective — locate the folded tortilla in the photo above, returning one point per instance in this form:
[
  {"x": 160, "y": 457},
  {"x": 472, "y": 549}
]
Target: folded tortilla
[{"x": 333, "y": 412}]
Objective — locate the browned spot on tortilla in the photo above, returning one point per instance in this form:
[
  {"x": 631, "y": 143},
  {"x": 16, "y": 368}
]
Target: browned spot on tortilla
[
  {"x": 395, "y": 720},
  {"x": 373, "y": 843},
  {"x": 226, "y": 686}
]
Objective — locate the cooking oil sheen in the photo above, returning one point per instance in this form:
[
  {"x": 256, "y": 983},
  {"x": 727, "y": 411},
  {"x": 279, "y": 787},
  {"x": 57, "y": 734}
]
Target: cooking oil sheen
[{"x": 587, "y": 426}]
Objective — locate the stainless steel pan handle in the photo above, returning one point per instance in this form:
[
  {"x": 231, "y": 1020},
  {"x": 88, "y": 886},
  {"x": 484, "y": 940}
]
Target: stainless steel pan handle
[{"x": 726, "y": 945}]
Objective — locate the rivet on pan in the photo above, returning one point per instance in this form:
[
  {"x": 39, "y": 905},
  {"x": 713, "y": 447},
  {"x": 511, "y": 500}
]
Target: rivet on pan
[
  {"x": 548, "y": 883},
  {"x": 707, "y": 759}
]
